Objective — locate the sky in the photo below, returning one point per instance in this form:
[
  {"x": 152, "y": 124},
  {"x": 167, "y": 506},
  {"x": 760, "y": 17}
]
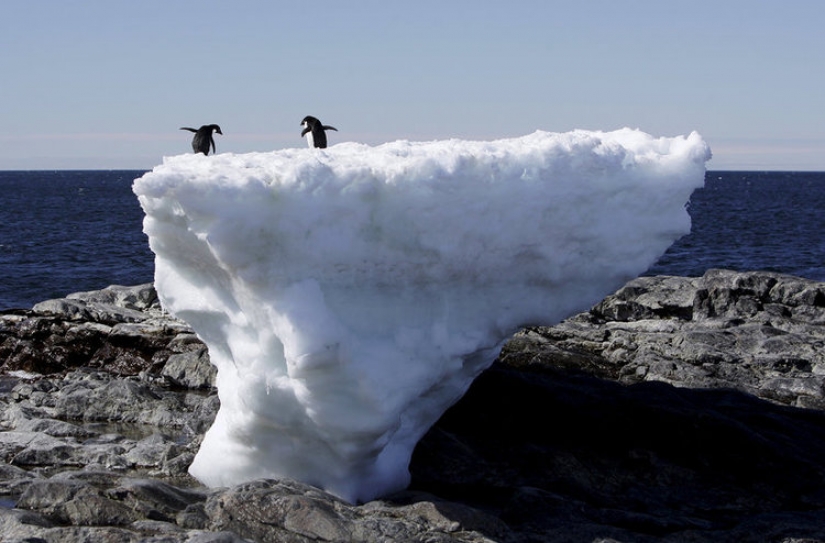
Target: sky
[{"x": 106, "y": 84}]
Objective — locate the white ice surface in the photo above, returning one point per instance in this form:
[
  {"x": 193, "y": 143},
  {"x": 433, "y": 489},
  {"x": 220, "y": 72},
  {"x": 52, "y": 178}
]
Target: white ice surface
[{"x": 349, "y": 295}]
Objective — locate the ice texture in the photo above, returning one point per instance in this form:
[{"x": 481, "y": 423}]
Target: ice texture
[{"x": 349, "y": 296}]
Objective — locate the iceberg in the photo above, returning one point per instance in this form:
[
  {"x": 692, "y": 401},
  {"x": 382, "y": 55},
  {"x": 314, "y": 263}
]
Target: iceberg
[{"x": 349, "y": 295}]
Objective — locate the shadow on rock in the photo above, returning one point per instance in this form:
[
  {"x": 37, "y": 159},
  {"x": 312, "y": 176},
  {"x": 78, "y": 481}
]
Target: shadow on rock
[{"x": 567, "y": 456}]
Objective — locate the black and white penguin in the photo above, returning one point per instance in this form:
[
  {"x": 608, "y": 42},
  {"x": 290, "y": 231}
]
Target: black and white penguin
[
  {"x": 314, "y": 131},
  {"x": 203, "y": 138}
]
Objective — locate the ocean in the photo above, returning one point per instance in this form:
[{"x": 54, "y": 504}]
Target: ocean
[{"x": 71, "y": 231}]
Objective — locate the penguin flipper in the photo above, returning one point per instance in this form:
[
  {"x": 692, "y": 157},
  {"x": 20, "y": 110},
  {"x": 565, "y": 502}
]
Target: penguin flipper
[
  {"x": 212, "y": 141},
  {"x": 329, "y": 128},
  {"x": 187, "y": 128},
  {"x": 304, "y": 131}
]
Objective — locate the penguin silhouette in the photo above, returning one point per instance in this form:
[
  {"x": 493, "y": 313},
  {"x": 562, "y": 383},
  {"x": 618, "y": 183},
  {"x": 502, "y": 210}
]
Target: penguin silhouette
[
  {"x": 203, "y": 138},
  {"x": 314, "y": 131}
]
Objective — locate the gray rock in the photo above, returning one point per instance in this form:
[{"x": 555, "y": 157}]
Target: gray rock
[
  {"x": 757, "y": 332},
  {"x": 74, "y": 502},
  {"x": 55, "y": 428},
  {"x": 289, "y": 511},
  {"x": 190, "y": 369},
  {"x": 214, "y": 537},
  {"x": 148, "y": 449},
  {"x": 118, "y": 424},
  {"x": 122, "y": 329},
  {"x": 79, "y": 310},
  {"x": 139, "y": 297},
  {"x": 155, "y": 500},
  {"x": 100, "y": 396},
  {"x": 258, "y": 511},
  {"x": 20, "y": 525}
]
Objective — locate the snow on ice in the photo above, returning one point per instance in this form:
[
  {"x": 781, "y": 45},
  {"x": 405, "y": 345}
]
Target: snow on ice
[{"x": 349, "y": 296}]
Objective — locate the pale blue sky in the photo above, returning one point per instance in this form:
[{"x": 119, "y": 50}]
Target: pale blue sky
[{"x": 104, "y": 84}]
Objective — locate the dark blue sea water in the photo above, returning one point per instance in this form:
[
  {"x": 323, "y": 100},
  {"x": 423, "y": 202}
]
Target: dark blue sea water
[
  {"x": 69, "y": 231},
  {"x": 742, "y": 221}
]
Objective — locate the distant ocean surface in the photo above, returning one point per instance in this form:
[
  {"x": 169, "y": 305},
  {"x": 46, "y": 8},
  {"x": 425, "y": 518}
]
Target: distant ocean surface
[{"x": 71, "y": 231}]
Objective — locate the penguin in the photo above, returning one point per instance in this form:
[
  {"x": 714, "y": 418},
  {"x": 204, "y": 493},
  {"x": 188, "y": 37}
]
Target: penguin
[
  {"x": 314, "y": 131},
  {"x": 203, "y": 138}
]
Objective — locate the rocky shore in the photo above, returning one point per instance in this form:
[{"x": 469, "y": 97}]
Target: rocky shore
[{"x": 677, "y": 409}]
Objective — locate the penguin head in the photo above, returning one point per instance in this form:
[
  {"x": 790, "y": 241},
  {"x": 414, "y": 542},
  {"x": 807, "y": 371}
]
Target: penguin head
[
  {"x": 309, "y": 121},
  {"x": 216, "y": 128}
]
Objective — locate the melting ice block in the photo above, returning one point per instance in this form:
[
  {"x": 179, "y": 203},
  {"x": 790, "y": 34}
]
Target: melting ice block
[{"x": 349, "y": 295}]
